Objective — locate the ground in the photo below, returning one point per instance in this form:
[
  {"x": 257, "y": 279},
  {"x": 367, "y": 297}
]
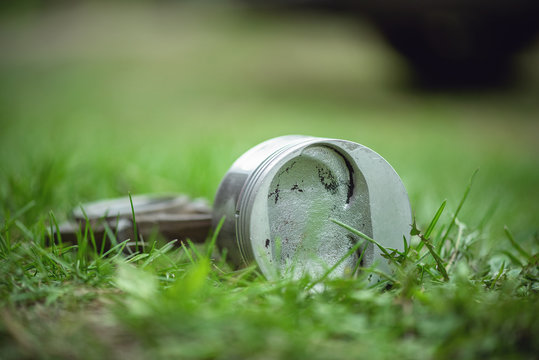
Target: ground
[{"x": 101, "y": 100}]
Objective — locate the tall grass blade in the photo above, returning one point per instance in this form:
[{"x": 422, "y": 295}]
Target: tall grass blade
[
  {"x": 214, "y": 236},
  {"x": 24, "y": 229},
  {"x": 516, "y": 245},
  {"x": 22, "y": 210},
  {"x": 5, "y": 247},
  {"x": 187, "y": 253},
  {"x": 365, "y": 237},
  {"x": 358, "y": 263},
  {"x": 118, "y": 247},
  {"x": 58, "y": 234},
  {"x": 437, "y": 258},
  {"x": 435, "y": 219},
  {"x": 500, "y": 272},
  {"x": 90, "y": 230},
  {"x": 459, "y": 207},
  {"x": 431, "y": 226},
  {"x": 135, "y": 231},
  {"x": 194, "y": 249}
]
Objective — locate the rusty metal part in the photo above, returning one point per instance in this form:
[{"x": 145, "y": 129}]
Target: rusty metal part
[{"x": 172, "y": 217}]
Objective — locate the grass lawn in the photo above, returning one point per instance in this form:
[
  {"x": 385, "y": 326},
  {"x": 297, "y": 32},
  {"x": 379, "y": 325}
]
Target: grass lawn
[{"x": 100, "y": 100}]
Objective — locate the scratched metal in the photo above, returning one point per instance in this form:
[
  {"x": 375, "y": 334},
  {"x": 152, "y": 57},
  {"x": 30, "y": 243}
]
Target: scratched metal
[{"x": 279, "y": 197}]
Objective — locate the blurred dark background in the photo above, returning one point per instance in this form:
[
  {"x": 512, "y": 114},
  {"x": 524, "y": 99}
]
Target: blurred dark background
[{"x": 445, "y": 43}]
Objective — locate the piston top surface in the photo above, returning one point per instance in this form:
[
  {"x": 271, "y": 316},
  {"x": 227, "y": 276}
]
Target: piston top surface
[{"x": 280, "y": 197}]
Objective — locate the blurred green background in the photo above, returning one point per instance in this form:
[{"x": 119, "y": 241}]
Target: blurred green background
[{"x": 99, "y": 99}]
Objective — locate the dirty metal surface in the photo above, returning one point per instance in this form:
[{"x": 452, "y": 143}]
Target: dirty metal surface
[
  {"x": 278, "y": 200},
  {"x": 173, "y": 217}
]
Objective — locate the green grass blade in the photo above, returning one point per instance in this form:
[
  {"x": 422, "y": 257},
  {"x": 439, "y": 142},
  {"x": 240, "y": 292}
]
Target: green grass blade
[
  {"x": 215, "y": 234},
  {"x": 194, "y": 249},
  {"x": 500, "y": 272},
  {"x": 436, "y": 257},
  {"x": 58, "y": 234},
  {"x": 118, "y": 247},
  {"x": 432, "y": 224},
  {"x": 188, "y": 253},
  {"x": 135, "y": 230},
  {"x": 24, "y": 229},
  {"x": 349, "y": 253},
  {"x": 159, "y": 252},
  {"x": 382, "y": 274},
  {"x": 516, "y": 245},
  {"x": 358, "y": 263},
  {"x": 434, "y": 220},
  {"x": 22, "y": 210},
  {"x": 406, "y": 247},
  {"x": 513, "y": 258},
  {"x": 459, "y": 207},
  {"x": 5, "y": 247},
  {"x": 89, "y": 231},
  {"x": 363, "y": 236}
]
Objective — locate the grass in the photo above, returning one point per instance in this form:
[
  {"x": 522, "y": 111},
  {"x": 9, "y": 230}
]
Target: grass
[
  {"x": 161, "y": 99},
  {"x": 72, "y": 301}
]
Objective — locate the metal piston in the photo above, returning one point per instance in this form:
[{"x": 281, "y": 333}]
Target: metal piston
[{"x": 280, "y": 197}]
